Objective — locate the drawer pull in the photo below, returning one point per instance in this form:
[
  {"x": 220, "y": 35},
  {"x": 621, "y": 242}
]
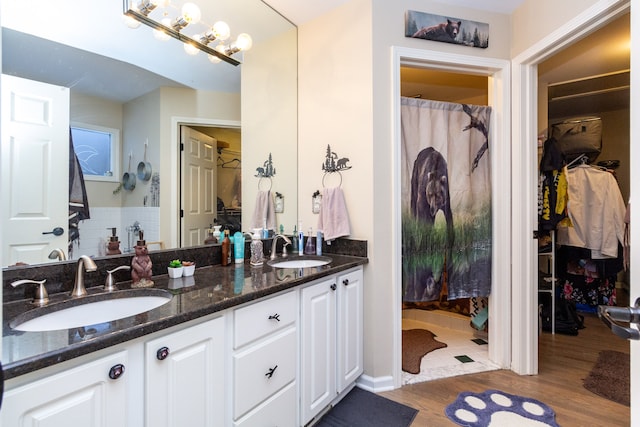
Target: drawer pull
[
  {"x": 116, "y": 371},
  {"x": 345, "y": 282},
  {"x": 271, "y": 371},
  {"x": 162, "y": 353},
  {"x": 333, "y": 287},
  {"x": 275, "y": 317}
]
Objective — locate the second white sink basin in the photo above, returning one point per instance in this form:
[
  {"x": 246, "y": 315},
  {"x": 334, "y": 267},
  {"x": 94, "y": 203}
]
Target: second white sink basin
[
  {"x": 302, "y": 261},
  {"x": 90, "y": 310}
]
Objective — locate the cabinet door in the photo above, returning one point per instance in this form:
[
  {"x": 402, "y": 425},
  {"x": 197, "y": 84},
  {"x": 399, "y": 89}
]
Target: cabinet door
[
  {"x": 82, "y": 396},
  {"x": 184, "y": 384},
  {"x": 350, "y": 347},
  {"x": 318, "y": 355}
]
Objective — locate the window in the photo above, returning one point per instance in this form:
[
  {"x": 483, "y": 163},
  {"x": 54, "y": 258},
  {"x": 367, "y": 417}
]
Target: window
[{"x": 98, "y": 151}]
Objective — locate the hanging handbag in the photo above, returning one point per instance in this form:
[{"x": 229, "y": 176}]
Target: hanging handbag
[{"x": 577, "y": 136}]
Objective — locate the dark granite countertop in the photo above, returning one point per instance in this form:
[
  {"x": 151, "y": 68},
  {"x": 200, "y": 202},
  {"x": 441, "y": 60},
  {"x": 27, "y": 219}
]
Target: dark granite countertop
[{"x": 210, "y": 290}]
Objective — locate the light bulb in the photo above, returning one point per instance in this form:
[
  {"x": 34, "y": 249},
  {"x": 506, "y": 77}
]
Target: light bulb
[
  {"x": 191, "y": 13},
  {"x": 191, "y": 49},
  {"x": 131, "y": 22},
  {"x": 244, "y": 42},
  {"x": 160, "y": 34},
  {"x": 221, "y": 30},
  {"x": 221, "y": 48},
  {"x": 214, "y": 59}
]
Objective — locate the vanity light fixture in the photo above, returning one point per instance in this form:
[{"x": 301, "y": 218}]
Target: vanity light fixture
[{"x": 157, "y": 14}]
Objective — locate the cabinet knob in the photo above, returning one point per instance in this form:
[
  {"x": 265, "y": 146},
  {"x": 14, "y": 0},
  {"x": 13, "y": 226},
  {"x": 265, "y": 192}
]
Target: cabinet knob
[
  {"x": 269, "y": 374},
  {"x": 333, "y": 286},
  {"x": 345, "y": 282},
  {"x": 162, "y": 353},
  {"x": 275, "y": 317},
  {"x": 116, "y": 371}
]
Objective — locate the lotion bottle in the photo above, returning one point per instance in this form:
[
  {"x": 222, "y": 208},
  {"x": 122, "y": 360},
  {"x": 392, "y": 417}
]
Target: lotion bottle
[
  {"x": 238, "y": 247},
  {"x": 319, "y": 243},
  {"x": 300, "y": 239},
  {"x": 226, "y": 249}
]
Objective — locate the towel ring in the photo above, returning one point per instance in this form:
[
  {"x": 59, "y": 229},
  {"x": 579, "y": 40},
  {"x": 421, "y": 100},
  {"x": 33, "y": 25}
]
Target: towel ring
[
  {"x": 260, "y": 182},
  {"x": 329, "y": 173}
]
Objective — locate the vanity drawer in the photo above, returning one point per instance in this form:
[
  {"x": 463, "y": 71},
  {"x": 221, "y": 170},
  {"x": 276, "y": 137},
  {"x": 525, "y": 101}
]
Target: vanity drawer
[
  {"x": 265, "y": 317},
  {"x": 263, "y": 369},
  {"x": 279, "y": 411}
]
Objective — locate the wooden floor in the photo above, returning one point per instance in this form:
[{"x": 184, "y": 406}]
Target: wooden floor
[{"x": 564, "y": 361}]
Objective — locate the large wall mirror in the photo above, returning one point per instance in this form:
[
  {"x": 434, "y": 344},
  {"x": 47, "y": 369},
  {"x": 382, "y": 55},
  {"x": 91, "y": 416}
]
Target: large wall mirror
[{"x": 164, "y": 107}]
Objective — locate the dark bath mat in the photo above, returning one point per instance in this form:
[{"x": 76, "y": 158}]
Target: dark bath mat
[{"x": 361, "y": 408}]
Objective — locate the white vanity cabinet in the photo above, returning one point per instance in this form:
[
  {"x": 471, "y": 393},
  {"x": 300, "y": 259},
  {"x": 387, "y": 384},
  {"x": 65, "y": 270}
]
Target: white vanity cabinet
[
  {"x": 265, "y": 362},
  {"x": 81, "y": 396},
  {"x": 276, "y": 361},
  {"x": 332, "y": 339},
  {"x": 184, "y": 381}
]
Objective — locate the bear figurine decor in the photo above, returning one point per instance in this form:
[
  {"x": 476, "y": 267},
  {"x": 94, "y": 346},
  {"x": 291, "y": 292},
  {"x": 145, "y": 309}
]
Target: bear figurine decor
[{"x": 141, "y": 266}]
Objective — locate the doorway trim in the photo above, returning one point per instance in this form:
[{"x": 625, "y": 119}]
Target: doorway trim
[
  {"x": 498, "y": 72},
  {"x": 524, "y": 187},
  {"x": 174, "y": 151}
]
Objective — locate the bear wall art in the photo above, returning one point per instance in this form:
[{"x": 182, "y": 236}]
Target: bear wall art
[{"x": 427, "y": 26}]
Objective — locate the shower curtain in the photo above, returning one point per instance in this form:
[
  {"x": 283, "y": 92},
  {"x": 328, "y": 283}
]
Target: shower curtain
[{"x": 446, "y": 200}]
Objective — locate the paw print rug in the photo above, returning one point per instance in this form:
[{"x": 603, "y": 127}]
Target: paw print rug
[{"x": 494, "y": 408}]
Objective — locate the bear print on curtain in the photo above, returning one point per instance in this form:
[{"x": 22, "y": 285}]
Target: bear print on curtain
[{"x": 446, "y": 200}]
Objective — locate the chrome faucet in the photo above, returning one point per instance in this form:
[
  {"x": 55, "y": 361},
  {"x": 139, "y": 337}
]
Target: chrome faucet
[
  {"x": 284, "y": 247},
  {"x": 58, "y": 253},
  {"x": 84, "y": 263}
]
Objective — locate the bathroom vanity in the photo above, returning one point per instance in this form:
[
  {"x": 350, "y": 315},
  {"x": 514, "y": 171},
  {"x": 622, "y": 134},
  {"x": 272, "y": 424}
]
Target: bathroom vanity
[{"x": 236, "y": 345}]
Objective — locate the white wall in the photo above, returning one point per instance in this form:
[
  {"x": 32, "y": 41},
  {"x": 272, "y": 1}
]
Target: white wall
[
  {"x": 536, "y": 19},
  {"x": 269, "y": 104}
]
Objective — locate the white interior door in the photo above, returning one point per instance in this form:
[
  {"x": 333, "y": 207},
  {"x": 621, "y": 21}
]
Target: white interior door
[
  {"x": 199, "y": 185},
  {"x": 35, "y": 165}
]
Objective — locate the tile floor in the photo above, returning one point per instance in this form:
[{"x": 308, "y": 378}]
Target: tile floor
[{"x": 446, "y": 362}]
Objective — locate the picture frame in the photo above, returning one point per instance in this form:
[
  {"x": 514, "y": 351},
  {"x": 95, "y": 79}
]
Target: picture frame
[{"x": 439, "y": 28}]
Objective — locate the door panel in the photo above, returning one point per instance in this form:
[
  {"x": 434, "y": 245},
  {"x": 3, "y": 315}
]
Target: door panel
[
  {"x": 199, "y": 185},
  {"x": 35, "y": 132}
]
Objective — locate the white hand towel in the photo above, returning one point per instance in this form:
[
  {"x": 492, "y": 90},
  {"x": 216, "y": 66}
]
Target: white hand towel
[
  {"x": 334, "y": 218},
  {"x": 265, "y": 209}
]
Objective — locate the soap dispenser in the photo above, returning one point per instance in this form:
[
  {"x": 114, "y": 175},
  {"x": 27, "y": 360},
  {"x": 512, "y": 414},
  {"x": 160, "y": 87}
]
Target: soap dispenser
[
  {"x": 310, "y": 247},
  {"x": 113, "y": 247},
  {"x": 257, "y": 252},
  {"x": 141, "y": 266}
]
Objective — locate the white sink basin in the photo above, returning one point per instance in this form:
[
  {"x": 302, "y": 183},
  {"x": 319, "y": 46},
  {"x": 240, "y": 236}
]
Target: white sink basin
[
  {"x": 90, "y": 311},
  {"x": 303, "y": 261}
]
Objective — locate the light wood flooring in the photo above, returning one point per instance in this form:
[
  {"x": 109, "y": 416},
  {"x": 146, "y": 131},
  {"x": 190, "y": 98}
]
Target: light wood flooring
[{"x": 564, "y": 361}]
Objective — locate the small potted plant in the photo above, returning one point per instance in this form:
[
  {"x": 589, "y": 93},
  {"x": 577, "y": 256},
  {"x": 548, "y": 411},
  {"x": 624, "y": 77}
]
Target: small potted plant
[
  {"x": 189, "y": 268},
  {"x": 175, "y": 269}
]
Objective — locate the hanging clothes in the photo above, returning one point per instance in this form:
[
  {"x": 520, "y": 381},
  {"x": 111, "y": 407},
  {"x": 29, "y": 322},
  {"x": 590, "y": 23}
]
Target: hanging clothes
[
  {"x": 78, "y": 200},
  {"x": 596, "y": 210},
  {"x": 552, "y": 186},
  {"x": 446, "y": 200}
]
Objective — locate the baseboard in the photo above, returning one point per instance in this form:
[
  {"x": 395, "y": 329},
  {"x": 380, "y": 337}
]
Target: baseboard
[{"x": 375, "y": 384}]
